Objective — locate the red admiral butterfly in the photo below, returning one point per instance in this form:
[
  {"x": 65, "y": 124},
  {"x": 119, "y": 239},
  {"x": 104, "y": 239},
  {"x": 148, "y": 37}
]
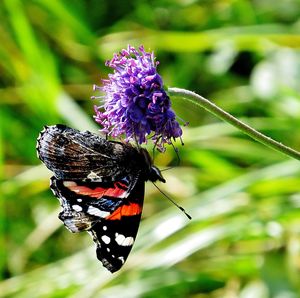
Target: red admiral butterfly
[{"x": 100, "y": 186}]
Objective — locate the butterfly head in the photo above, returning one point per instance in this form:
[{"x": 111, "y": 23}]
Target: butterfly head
[{"x": 155, "y": 174}]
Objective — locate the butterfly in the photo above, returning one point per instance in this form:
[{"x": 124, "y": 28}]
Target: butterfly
[{"x": 100, "y": 185}]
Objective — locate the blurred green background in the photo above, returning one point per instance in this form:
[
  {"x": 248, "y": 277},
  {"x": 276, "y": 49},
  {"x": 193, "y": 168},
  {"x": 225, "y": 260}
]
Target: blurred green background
[{"x": 244, "y": 239}]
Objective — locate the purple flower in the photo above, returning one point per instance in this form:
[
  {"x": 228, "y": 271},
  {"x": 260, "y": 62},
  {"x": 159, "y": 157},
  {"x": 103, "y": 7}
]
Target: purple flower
[{"x": 135, "y": 103}]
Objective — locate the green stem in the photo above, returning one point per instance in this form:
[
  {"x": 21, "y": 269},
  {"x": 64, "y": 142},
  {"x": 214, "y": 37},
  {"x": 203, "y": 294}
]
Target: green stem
[{"x": 212, "y": 108}]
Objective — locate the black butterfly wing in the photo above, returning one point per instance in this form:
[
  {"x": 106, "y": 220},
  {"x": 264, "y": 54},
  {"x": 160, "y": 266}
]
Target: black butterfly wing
[
  {"x": 76, "y": 155},
  {"x": 115, "y": 235}
]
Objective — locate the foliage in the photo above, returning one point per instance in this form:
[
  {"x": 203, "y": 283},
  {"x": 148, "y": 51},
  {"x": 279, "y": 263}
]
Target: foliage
[{"x": 244, "y": 239}]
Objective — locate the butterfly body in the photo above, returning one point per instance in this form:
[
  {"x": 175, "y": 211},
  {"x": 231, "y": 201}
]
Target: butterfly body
[{"x": 100, "y": 186}]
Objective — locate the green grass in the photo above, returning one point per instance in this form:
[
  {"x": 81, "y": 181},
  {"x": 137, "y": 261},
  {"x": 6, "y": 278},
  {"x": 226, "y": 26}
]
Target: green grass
[{"x": 244, "y": 238}]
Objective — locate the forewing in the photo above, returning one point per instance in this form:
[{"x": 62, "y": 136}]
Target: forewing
[
  {"x": 114, "y": 235},
  {"x": 72, "y": 154}
]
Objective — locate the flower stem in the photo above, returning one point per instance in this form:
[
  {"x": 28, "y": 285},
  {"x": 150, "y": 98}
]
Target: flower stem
[{"x": 212, "y": 108}]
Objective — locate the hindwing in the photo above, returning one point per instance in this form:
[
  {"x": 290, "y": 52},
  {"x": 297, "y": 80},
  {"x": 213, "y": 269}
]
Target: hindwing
[{"x": 74, "y": 155}]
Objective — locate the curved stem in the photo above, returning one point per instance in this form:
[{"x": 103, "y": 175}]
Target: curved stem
[{"x": 212, "y": 108}]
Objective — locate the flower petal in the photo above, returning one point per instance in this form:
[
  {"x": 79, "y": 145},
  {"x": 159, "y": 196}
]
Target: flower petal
[{"x": 135, "y": 103}]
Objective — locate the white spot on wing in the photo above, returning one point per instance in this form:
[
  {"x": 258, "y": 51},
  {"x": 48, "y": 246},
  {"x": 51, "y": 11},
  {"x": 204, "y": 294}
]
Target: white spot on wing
[
  {"x": 93, "y": 176},
  {"x": 121, "y": 259},
  {"x": 104, "y": 228},
  {"x": 97, "y": 212},
  {"x": 119, "y": 238},
  {"x": 128, "y": 241},
  {"x": 123, "y": 241},
  {"x": 69, "y": 183},
  {"x": 105, "y": 239},
  {"x": 77, "y": 208}
]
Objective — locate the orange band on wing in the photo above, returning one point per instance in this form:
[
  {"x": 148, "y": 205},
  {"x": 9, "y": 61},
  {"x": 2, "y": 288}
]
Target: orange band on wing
[
  {"x": 126, "y": 210},
  {"x": 98, "y": 191}
]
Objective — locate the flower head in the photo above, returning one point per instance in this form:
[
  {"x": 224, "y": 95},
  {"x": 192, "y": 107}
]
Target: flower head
[{"x": 135, "y": 103}]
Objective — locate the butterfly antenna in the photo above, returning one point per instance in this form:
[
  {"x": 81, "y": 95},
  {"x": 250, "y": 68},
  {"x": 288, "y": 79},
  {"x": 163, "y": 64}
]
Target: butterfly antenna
[
  {"x": 153, "y": 150},
  {"x": 172, "y": 201},
  {"x": 178, "y": 159},
  {"x": 177, "y": 154}
]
